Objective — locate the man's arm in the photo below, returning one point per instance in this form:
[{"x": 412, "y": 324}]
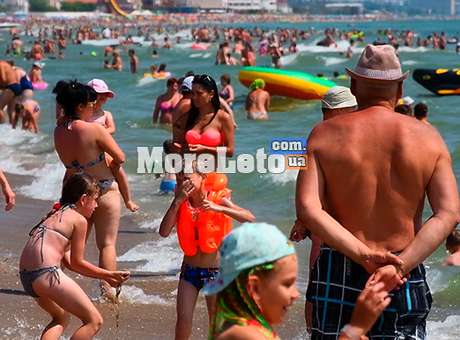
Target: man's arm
[
  {"x": 309, "y": 196},
  {"x": 442, "y": 194}
]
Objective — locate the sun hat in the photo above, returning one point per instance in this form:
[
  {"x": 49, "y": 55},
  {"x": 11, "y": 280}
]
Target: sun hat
[
  {"x": 38, "y": 64},
  {"x": 250, "y": 245},
  {"x": 338, "y": 97},
  {"x": 100, "y": 86},
  {"x": 187, "y": 83},
  {"x": 378, "y": 63}
]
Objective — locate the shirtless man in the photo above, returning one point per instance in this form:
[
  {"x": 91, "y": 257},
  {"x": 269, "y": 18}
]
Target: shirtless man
[
  {"x": 9, "y": 82},
  {"x": 37, "y": 51},
  {"x": 363, "y": 195},
  {"x": 133, "y": 61},
  {"x": 257, "y": 101}
]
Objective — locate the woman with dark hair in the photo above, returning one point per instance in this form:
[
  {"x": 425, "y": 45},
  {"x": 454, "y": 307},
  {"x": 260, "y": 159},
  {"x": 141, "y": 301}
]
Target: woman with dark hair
[
  {"x": 81, "y": 146},
  {"x": 208, "y": 126},
  {"x": 167, "y": 102}
]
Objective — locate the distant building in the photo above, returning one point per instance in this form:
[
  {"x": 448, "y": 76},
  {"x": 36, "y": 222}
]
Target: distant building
[{"x": 252, "y": 5}]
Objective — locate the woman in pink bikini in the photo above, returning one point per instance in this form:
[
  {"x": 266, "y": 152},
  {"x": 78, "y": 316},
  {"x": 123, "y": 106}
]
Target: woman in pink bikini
[
  {"x": 167, "y": 102},
  {"x": 208, "y": 127}
]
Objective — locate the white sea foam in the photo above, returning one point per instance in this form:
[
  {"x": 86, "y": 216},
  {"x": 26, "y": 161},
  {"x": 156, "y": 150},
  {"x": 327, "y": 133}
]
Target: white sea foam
[
  {"x": 342, "y": 46},
  {"x": 444, "y": 330},
  {"x": 146, "y": 81},
  {"x": 206, "y": 55},
  {"x": 102, "y": 42},
  {"x": 288, "y": 59},
  {"x": 409, "y": 62},
  {"x": 284, "y": 178},
  {"x": 438, "y": 278},
  {"x": 155, "y": 224},
  {"x": 195, "y": 55},
  {"x": 47, "y": 182},
  {"x": 159, "y": 256},
  {"x": 407, "y": 49},
  {"x": 328, "y": 61},
  {"x": 135, "y": 295}
]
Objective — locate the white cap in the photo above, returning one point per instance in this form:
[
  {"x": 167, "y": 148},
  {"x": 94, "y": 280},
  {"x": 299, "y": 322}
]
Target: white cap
[
  {"x": 338, "y": 97},
  {"x": 187, "y": 83}
]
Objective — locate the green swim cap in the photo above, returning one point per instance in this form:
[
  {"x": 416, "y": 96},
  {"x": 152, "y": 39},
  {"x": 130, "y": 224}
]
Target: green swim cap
[
  {"x": 257, "y": 84},
  {"x": 94, "y": 53}
]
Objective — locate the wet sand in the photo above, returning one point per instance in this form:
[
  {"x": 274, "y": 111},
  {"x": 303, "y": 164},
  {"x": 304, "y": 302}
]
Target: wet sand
[{"x": 21, "y": 318}]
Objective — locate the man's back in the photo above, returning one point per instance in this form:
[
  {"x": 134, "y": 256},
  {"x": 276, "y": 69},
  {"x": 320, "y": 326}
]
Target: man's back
[{"x": 386, "y": 161}]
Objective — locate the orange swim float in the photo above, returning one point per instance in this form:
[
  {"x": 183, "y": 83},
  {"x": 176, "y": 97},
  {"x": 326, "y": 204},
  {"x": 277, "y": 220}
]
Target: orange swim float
[{"x": 204, "y": 229}]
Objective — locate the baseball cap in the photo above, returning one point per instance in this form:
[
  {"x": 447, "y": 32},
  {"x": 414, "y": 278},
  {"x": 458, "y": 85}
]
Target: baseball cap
[
  {"x": 187, "y": 83},
  {"x": 38, "y": 64},
  {"x": 250, "y": 245},
  {"x": 100, "y": 86},
  {"x": 338, "y": 97}
]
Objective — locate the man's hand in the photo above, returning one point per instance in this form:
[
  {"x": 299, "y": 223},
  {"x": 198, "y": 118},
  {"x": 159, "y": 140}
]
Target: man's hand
[
  {"x": 375, "y": 259},
  {"x": 390, "y": 276},
  {"x": 299, "y": 232}
]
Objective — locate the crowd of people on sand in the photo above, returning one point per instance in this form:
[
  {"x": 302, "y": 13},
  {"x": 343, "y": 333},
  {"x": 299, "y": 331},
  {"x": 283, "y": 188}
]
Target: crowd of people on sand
[{"x": 366, "y": 263}]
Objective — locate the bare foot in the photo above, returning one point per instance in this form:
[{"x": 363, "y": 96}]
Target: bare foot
[{"x": 132, "y": 206}]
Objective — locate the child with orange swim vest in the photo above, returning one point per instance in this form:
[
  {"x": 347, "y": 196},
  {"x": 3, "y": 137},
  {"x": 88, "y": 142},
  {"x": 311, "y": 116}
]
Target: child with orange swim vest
[{"x": 202, "y": 211}]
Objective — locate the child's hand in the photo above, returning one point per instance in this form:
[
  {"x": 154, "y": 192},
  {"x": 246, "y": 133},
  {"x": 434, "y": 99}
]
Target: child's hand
[
  {"x": 185, "y": 190},
  {"x": 133, "y": 207},
  {"x": 208, "y": 205},
  {"x": 116, "y": 278},
  {"x": 10, "y": 198}
]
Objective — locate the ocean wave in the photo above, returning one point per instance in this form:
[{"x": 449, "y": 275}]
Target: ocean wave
[
  {"x": 163, "y": 255},
  {"x": 135, "y": 295},
  {"x": 328, "y": 61},
  {"x": 407, "y": 49},
  {"x": 409, "y": 62},
  {"x": 342, "y": 46},
  {"x": 444, "y": 330},
  {"x": 47, "y": 182},
  {"x": 289, "y": 59},
  {"x": 284, "y": 178},
  {"x": 154, "y": 225},
  {"x": 146, "y": 81}
]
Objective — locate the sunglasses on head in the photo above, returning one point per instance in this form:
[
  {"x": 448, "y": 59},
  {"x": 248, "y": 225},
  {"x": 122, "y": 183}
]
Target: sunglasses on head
[{"x": 203, "y": 78}]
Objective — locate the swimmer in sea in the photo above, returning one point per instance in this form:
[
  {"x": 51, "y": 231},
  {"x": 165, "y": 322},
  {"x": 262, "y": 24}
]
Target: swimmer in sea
[
  {"x": 166, "y": 103},
  {"x": 257, "y": 101},
  {"x": 133, "y": 60},
  {"x": 227, "y": 92}
]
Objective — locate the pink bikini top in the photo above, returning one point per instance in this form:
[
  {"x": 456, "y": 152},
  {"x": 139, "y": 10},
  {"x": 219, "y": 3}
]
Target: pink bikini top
[
  {"x": 210, "y": 137},
  {"x": 166, "y": 106}
]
